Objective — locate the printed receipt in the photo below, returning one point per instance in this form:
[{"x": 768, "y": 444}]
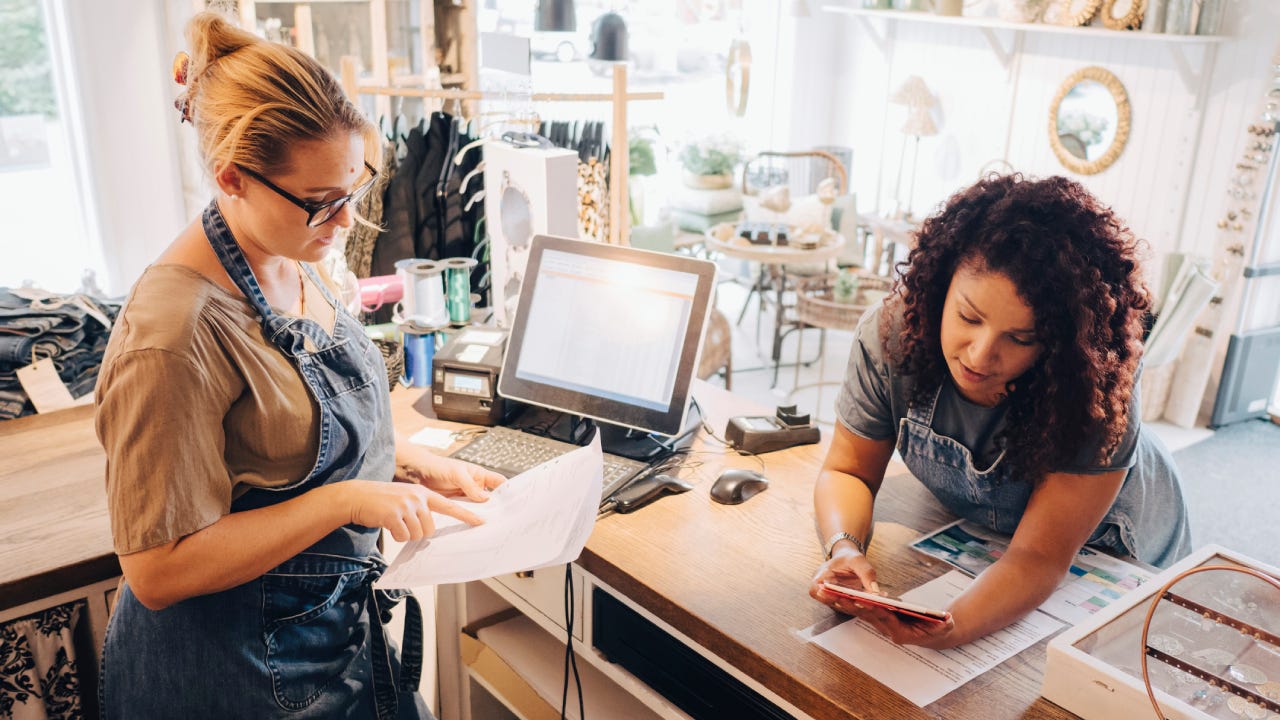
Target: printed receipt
[
  {"x": 538, "y": 518},
  {"x": 922, "y": 675}
]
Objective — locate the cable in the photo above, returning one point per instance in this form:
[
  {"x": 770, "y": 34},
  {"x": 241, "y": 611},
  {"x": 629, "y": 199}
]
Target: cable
[
  {"x": 712, "y": 433},
  {"x": 570, "y": 658}
]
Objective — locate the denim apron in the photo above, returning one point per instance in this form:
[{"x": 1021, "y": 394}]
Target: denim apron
[
  {"x": 1147, "y": 521},
  {"x": 306, "y": 639}
]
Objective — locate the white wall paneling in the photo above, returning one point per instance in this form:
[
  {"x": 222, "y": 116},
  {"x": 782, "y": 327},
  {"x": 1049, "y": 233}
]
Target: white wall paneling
[{"x": 1190, "y": 99}]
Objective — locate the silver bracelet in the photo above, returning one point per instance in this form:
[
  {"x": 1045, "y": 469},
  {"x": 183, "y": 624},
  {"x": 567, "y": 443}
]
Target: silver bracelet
[{"x": 831, "y": 543}]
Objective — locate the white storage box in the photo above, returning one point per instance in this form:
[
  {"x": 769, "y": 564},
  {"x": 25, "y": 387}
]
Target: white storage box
[{"x": 1094, "y": 669}]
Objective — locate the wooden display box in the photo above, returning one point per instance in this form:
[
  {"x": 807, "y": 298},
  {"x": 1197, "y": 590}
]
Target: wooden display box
[{"x": 1094, "y": 668}]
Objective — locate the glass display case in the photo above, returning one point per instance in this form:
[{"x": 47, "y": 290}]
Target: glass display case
[{"x": 1212, "y": 647}]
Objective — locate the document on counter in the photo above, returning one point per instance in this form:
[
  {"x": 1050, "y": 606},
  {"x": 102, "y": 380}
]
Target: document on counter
[
  {"x": 538, "y": 518},
  {"x": 1093, "y": 581},
  {"x": 922, "y": 675}
]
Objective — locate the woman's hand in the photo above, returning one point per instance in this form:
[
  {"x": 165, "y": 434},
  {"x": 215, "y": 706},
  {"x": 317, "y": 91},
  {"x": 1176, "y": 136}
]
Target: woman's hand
[
  {"x": 848, "y": 568},
  {"x": 902, "y": 630},
  {"x": 404, "y": 509},
  {"x": 446, "y": 476},
  {"x": 852, "y": 569}
]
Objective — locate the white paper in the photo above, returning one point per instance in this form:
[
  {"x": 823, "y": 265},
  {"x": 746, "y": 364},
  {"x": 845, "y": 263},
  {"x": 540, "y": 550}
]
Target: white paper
[
  {"x": 922, "y": 675},
  {"x": 481, "y": 337},
  {"x": 433, "y": 437},
  {"x": 472, "y": 354},
  {"x": 538, "y": 518}
]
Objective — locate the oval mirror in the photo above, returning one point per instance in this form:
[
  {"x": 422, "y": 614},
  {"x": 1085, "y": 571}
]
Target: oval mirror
[
  {"x": 1077, "y": 12},
  {"x": 1089, "y": 121},
  {"x": 1123, "y": 14}
]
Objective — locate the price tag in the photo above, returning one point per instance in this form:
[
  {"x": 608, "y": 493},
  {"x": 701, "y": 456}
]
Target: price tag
[{"x": 47, "y": 392}]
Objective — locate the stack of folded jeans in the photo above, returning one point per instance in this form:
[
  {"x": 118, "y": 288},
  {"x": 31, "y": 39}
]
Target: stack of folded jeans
[{"x": 71, "y": 330}]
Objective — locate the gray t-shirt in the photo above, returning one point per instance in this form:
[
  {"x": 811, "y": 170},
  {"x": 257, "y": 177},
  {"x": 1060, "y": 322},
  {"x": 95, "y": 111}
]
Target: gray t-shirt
[{"x": 873, "y": 401}]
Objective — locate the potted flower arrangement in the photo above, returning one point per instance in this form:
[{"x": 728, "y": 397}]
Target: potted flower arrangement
[{"x": 709, "y": 163}]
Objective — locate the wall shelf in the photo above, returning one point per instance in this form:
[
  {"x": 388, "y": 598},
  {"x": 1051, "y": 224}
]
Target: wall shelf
[{"x": 878, "y": 24}]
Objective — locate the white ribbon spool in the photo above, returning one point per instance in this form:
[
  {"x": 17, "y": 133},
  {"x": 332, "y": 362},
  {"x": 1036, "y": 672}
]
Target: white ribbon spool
[{"x": 423, "y": 301}]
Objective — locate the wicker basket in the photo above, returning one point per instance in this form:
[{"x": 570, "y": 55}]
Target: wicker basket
[
  {"x": 816, "y": 306},
  {"x": 393, "y": 355}
]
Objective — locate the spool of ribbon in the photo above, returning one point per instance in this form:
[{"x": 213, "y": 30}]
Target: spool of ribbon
[
  {"x": 419, "y": 350},
  {"x": 457, "y": 277},
  {"x": 422, "y": 303}
]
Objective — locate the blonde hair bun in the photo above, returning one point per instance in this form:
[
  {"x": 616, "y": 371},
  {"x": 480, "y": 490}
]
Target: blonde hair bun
[{"x": 251, "y": 100}]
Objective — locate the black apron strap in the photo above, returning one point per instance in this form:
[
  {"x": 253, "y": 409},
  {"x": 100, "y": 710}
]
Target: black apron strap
[{"x": 386, "y": 688}]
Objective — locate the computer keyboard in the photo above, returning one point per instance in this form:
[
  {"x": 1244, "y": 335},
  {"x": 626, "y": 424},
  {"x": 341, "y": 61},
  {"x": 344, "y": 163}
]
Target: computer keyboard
[{"x": 511, "y": 452}]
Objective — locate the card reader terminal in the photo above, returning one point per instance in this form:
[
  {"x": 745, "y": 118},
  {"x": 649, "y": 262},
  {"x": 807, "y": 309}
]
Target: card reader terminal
[
  {"x": 762, "y": 434},
  {"x": 464, "y": 377}
]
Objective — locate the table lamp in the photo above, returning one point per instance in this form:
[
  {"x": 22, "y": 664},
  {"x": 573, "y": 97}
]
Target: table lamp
[{"x": 919, "y": 101}]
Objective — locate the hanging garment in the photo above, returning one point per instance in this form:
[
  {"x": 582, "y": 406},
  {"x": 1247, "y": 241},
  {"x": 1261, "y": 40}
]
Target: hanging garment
[{"x": 361, "y": 238}]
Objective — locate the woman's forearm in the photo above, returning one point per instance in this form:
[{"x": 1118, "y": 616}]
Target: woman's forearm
[
  {"x": 237, "y": 548},
  {"x": 1013, "y": 586},
  {"x": 842, "y": 503}
]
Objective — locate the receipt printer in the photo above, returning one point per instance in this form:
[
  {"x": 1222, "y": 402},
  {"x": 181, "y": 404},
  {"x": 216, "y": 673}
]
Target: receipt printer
[{"x": 464, "y": 377}]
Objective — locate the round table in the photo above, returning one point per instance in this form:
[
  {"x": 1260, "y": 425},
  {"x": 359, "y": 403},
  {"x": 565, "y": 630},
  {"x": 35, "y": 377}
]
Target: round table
[{"x": 723, "y": 238}]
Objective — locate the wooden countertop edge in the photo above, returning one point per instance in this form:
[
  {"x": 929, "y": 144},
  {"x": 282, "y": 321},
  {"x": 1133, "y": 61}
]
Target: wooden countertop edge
[
  {"x": 804, "y": 697},
  {"x": 68, "y": 577}
]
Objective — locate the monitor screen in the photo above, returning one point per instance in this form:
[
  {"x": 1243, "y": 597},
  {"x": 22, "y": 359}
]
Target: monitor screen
[{"x": 608, "y": 332}]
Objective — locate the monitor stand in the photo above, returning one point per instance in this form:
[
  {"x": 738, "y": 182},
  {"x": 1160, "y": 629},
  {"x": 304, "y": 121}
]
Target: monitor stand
[{"x": 614, "y": 439}]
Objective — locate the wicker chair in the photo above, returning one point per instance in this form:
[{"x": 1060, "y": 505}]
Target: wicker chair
[
  {"x": 817, "y": 307},
  {"x": 717, "y": 349},
  {"x": 801, "y": 172}
]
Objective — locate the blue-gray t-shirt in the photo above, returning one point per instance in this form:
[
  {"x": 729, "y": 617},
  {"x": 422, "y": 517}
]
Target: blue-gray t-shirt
[{"x": 873, "y": 400}]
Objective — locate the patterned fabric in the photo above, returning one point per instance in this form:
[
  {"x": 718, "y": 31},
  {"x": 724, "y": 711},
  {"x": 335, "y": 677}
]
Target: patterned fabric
[
  {"x": 593, "y": 200},
  {"x": 39, "y": 679},
  {"x": 361, "y": 238}
]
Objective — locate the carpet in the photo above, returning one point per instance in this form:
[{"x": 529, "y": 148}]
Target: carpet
[{"x": 1231, "y": 482}]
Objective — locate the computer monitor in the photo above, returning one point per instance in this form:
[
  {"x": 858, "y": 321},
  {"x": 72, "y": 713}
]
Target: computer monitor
[{"x": 608, "y": 332}]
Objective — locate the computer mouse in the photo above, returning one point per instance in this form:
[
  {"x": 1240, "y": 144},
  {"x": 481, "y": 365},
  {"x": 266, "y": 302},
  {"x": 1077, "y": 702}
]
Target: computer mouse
[{"x": 736, "y": 486}]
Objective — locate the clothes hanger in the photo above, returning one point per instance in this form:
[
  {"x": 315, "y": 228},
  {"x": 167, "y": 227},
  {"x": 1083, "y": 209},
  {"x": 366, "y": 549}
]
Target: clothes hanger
[{"x": 466, "y": 179}]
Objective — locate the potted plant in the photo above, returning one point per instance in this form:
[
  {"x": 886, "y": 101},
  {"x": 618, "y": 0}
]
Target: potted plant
[{"x": 709, "y": 163}]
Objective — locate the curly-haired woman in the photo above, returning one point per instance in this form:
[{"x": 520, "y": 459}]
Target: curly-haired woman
[{"x": 1004, "y": 369}]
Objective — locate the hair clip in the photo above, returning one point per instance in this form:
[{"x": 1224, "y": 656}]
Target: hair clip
[
  {"x": 181, "y": 64},
  {"x": 183, "y": 105}
]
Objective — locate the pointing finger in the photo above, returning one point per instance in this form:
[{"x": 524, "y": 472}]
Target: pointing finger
[{"x": 446, "y": 507}]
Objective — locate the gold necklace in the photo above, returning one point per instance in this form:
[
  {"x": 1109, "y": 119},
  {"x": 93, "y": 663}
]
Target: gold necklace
[{"x": 302, "y": 291}]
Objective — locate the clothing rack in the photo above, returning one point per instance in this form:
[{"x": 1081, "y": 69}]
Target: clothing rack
[{"x": 620, "y": 222}]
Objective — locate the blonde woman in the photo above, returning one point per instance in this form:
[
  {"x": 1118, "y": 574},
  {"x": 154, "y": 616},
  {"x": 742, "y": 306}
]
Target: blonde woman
[{"x": 247, "y": 425}]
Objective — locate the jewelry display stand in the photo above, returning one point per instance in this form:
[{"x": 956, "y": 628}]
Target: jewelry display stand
[{"x": 1205, "y": 634}]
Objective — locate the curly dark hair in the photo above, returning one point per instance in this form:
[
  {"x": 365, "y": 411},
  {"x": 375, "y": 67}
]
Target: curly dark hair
[{"x": 1074, "y": 263}]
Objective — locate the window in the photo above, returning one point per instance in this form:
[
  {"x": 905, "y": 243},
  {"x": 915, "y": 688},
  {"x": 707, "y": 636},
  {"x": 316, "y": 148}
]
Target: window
[{"x": 44, "y": 233}]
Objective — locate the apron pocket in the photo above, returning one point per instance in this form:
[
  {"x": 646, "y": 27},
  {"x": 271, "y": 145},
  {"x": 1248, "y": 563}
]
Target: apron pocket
[
  {"x": 313, "y": 630},
  {"x": 1115, "y": 534}
]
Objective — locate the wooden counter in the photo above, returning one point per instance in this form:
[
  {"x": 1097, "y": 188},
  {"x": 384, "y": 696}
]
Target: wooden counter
[
  {"x": 731, "y": 578},
  {"x": 54, "y": 531}
]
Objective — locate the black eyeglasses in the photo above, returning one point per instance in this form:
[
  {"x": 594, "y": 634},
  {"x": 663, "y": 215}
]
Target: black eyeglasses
[{"x": 319, "y": 213}]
